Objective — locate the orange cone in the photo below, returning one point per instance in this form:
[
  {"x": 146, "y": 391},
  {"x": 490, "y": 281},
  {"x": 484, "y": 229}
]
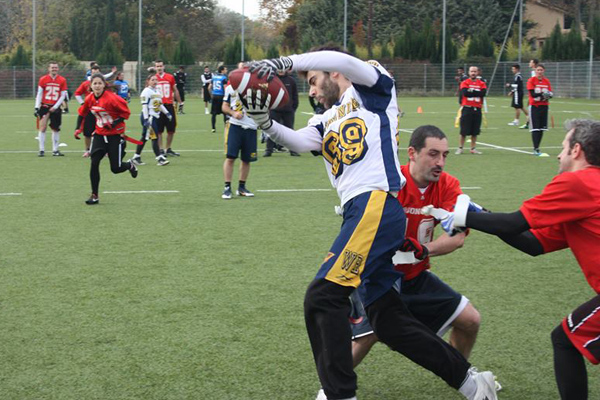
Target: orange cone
[{"x": 419, "y": 110}]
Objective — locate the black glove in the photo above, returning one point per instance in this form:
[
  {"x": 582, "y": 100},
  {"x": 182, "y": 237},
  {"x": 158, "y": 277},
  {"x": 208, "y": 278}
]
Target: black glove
[
  {"x": 36, "y": 112},
  {"x": 270, "y": 68},
  {"x": 412, "y": 245}
]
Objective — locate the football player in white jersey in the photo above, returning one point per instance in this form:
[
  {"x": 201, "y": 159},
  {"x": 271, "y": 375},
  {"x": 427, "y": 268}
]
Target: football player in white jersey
[
  {"x": 152, "y": 106},
  {"x": 356, "y": 136}
]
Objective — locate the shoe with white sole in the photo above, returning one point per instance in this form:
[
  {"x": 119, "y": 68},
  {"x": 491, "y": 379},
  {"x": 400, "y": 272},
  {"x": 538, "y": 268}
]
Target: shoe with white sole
[
  {"x": 321, "y": 396},
  {"x": 486, "y": 385}
]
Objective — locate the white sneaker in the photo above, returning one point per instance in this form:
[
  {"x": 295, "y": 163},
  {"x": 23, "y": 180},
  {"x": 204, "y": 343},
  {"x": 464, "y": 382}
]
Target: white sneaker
[
  {"x": 206, "y": 111},
  {"x": 475, "y": 151},
  {"x": 321, "y": 396},
  {"x": 458, "y": 151},
  {"x": 486, "y": 386},
  {"x": 513, "y": 123}
]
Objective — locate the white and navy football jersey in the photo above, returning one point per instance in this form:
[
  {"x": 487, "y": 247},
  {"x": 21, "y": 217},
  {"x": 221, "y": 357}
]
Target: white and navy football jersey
[
  {"x": 233, "y": 99},
  {"x": 153, "y": 99},
  {"x": 359, "y": 147}
]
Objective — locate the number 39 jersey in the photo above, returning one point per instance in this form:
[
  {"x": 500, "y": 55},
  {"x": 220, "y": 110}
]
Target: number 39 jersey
[
  {"x": 359, "y": 139},
  {"x": 106, "y": 108},
  {"x": 440, "y": 194}
]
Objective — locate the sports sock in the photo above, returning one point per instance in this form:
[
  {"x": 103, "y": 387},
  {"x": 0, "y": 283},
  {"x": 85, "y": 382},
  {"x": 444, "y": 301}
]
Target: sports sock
[
  {"x": 536, "y": 136},
  {"x": 569, "y": 367},
  {"x": 42, "y": 140},
  {"x": 242, "y": 184},
  {"x": 469, "y": 387},
  {"x": 227, "y": 184},
  {"x": 55, "y": 140}
]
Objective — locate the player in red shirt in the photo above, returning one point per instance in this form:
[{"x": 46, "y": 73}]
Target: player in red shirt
[
  {"x": 540, "y": 91},
  {"x": 90, "y": 121},
  {"x": 473, "y": 91},
  {"x": 166, "y": 86},
  {"x": 52, "y": 91},
  {"x": 110, "y": 111},
  {"x": 565, "y": 215},
  {"x": 427, "y": 297}
]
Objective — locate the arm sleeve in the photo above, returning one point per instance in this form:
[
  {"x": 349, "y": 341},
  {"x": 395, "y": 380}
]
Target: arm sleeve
[
  {"x": 163, "y": 109},
  {"x": 107, "y": 76},
  {"x": 38, "y": 97},
  {"x": 63, "y": 96},
  {"x": 79, "y": 98},
  {"x": 357, "y": 71},
  {"x": 145, "y": 112},
  {"x": 526, "y": 242},
  {"x": 84, "y": 109},
  {"x": 303, "y": 140},
  {"x": 498, "y": 223}
]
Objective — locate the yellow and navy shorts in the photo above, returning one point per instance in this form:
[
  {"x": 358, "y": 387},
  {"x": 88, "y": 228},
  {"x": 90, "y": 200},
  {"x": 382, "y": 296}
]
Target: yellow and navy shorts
[{"x": 372, "y": 231}]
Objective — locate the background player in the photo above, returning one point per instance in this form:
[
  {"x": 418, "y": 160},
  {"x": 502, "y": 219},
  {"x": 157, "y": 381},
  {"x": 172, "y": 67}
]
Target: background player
[
  {"x": 473, "y": 91},
  {"x": 166, "y": 87},
  {"x": 286, "y": 113},
  {"x": 240, "y": 138},
  {"x": 426, "y": 296},
  {"x": 122, "y": 87},
  {"x": 359, "y": 97},
  {"x": 152, "y": 107},
  {"x": 111, "y": 111},
  {"x": 565, "y": 215},
  {"x": 540, "y": 92},
  {"x": 180, "y": 80},
  {"x": 516, "y": 93},
  {"x": 217, "y": 89},
  {"x": 89, "y": 123},
  {"x": 52, "y": 91},
  {"x": 206, "y": 80}
]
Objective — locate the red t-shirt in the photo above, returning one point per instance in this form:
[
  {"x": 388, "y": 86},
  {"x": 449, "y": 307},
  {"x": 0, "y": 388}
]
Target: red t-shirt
[
  {"x": 84, "y": 89},
  {"x": 538, "y": 86},
  {"x": 567, "y": 214},
  {"x": 52, "y": 88},
  {"x": 106, "y": 108},
  {"x": 476, "y": 84},
  {"x": 441, "y": 194},
  {"x": 165, "y": 86}
]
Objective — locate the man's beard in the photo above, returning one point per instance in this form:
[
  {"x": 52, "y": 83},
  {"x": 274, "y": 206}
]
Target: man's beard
[{"x": 331, "y": 93}]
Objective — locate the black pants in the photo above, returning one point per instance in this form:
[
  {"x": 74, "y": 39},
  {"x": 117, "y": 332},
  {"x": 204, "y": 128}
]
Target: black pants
[
  {"x": 326, "y": 310},
  {"x": 114, "y": 146},
  {"x": 569, "y": 367},
  {"x": 285, "y": 118}
]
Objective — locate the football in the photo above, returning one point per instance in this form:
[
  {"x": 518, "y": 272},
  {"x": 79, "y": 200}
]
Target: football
[{"x": 242, "y": 79}]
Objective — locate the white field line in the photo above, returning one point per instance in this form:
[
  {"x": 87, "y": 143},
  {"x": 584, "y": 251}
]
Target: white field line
[
  {"x": 293, "y": 190},
  {"x": 10, "y": 194},
  {"x": 504, "y": 148},
  {"x": 81, "y": 151},
  {"x": 470, "y": 187},
  {"x": 140, "y": 191}
]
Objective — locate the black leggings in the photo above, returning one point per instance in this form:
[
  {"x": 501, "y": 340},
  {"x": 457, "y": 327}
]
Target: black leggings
[
  {"x": 114, "y": 146},
  {"x": 569, "y": 367}
]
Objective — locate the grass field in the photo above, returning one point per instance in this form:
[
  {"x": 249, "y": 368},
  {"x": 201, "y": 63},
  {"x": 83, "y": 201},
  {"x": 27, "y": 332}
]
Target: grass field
[{"x": 182, "y": 295}]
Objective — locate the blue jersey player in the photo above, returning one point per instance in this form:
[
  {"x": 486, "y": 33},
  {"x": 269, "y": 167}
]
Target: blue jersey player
[
  {"x": 356, "y": 137},
  {"x": 122, "y": 87},
  {"x": 217, "y": 87}
]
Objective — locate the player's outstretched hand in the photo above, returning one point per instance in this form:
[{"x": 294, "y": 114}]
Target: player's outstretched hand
[
  {"x": 257, "y": 108},
  {"x": 463, "y": 206},
  {"x": 412, "y": 245},
  {"x": 445, "y": 217},
  {"x": 77, "y": 133},
  {"x": 270, "y": 68}
]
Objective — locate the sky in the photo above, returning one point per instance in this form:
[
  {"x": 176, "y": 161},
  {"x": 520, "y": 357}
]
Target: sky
[{"x": 251, "y": 9}]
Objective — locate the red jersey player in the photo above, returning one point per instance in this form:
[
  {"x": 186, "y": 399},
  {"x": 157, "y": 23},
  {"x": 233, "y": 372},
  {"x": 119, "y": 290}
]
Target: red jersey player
[
  {"x": 473, "y": 91},
  {"x": 540, "y": 91},
  {"x": 90, "y": 121},
  {"x": 166, "y": 86},
  {"x": 52, "y": 91},
  {"x": 427, "y": 297},
  {"x": 565, "y": 215},
  {"x": 110, "y": 111}
]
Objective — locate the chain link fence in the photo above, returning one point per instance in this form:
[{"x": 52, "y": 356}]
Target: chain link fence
[{"x": 568, "y": 79}]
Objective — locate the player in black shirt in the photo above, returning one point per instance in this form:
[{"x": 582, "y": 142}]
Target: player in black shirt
[
  {"x": 180, "y": 79},
  {"x": 206, "y": 80},
  {"x": 516, "y": 93}
]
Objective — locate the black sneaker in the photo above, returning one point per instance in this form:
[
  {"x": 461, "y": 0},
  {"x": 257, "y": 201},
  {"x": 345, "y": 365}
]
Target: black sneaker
[
  {"x": 160, "y": 161},
  {"x": 57, "y": 154},
  {"x": 172, "y": 153},
  {"x": 242, "y": 191},
  {"x": 133, "y": 169},
  {"x": 137, "y": 161},
  {"x": 92, "y": 200},
  {"x": 294, "y": 154},
  {"x": 268, "y": 154},
  {"x": 226, "y": 193},
  {"x": 41, "y": 154}
]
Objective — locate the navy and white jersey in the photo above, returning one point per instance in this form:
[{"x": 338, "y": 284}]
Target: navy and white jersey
[
  {"x": 218, "y": 84},
  {"x": 151, "y": 102},
  {"x": 206, "y": 78},
  {"x": 180, "y": 78},
  {"x": 122, "y": 88},
  {"x": 235, "y": 104},
  {"x": 517, "y": 85}
]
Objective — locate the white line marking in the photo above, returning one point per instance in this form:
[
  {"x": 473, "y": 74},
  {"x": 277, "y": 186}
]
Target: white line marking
[
  {"x": 141, "y": 191},
  {"x": 293, "y": 190},
  {"x": 307, "y": 113},
  {"x": 407, "y": 130},
  {"x": 505, "y": 148},
  {"x": 10, "y": 194},
  {"x": 470, "y": 187}
]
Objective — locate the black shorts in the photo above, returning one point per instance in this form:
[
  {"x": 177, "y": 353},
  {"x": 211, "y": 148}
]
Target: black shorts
[
  {"x": 89, "y": 125},
  {"x": 470, "y": 121},
  {"x": 517, "y": 100},
  {"x": 427, "y": 297},
  {"x": 163, "y": 121},
  {"x": 55, "y": 117},
  {"x": 206, "y": 94},
  {"x": 240, "y": 141},
  {"x": 538, "y": 116},
  {"x": 113, "y": 145},
  {"x": 217, "y": 103},
  {"x": 181, "y": 90}
]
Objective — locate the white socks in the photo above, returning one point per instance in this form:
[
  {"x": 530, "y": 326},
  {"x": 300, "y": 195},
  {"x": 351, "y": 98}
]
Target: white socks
[
  {"x": 42, "y": 140},
  {"x": 469, "y": 387},
  {"x": 55, "y": 140}
]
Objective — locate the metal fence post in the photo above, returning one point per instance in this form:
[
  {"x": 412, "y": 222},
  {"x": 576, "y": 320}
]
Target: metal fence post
[
  {"x": 504, "y": 85},
  {"x": 571, "y": 81},
  {"x": 14, "y": 82},
  {"x": 425, "y": 78}
]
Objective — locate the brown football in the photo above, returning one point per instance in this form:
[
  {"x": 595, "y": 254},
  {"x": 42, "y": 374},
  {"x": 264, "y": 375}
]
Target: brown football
[{"x": 242, "y": 79}]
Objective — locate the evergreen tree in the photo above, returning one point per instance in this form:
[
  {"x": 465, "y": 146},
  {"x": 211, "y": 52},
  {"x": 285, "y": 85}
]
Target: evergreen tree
[
  {"x": 99, "y": 38},
  {"x": 351, "y": 47},
  {"x": 553, "y": 46},
  {"x": 110, "y": 55},
  {"x": 110, "y": 21},
  {"x": 272, "y": 52},
  {"x": 183, "y": 53},
  {"x": 385, "y": 51},
  {"x": 129, "y": 47},
  {"x": 20, "y": 57},
  {"x": 575, "y": 49},
  {"x": 74, "y": 41}
]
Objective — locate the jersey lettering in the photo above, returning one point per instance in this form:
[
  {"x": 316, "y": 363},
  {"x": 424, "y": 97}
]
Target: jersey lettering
[
  {"x": 347, "y": 146},
  {"x": 52, "y": 93},
  {"x": 102, "y": 118}
]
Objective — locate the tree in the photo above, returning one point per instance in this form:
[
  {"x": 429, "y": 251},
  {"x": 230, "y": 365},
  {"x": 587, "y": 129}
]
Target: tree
[
  {"x": 553, "y": 46},
  {"x": 359, "y": 36},
  {"x": 273, "y": 52},
  {"x": 20, "y": 57},
  {"x": 183, "y": 53},
  {"x": 110, "y": 55}
]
